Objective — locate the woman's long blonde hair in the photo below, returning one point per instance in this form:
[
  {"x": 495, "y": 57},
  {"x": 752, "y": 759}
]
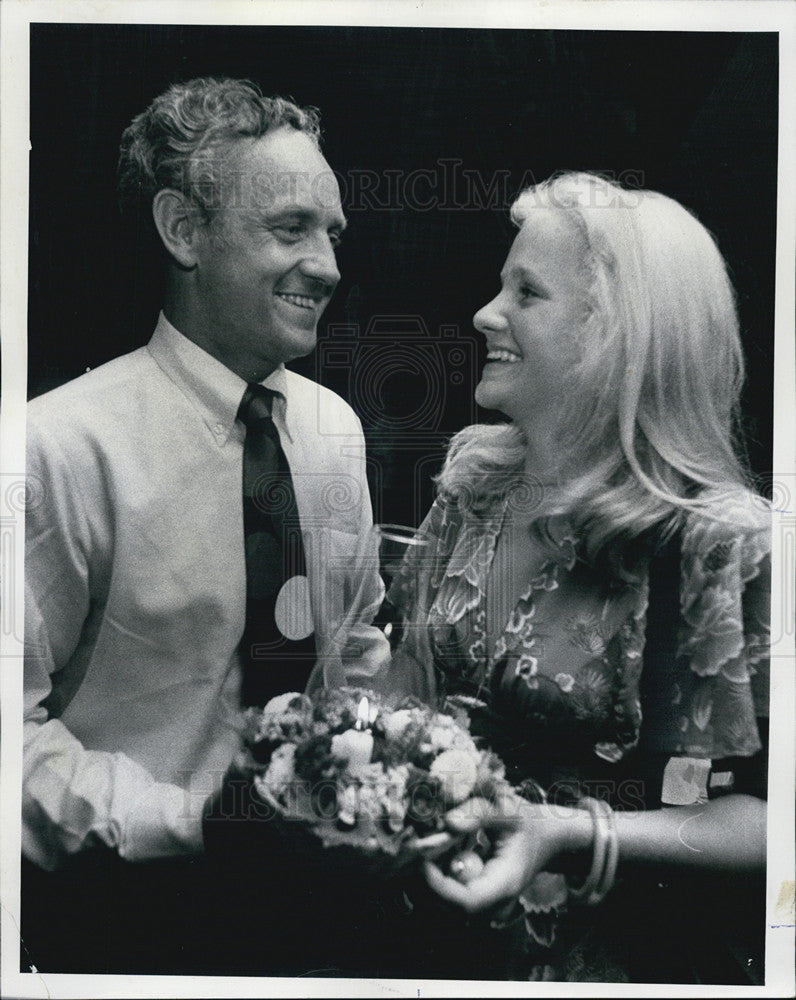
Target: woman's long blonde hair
[{"x": 650, "y": 426}]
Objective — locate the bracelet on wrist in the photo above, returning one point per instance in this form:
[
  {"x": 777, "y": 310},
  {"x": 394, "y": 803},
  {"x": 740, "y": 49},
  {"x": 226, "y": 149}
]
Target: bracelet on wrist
[
  {"x": 605, "y": 853},
  {"x": 611, "y": 859}
]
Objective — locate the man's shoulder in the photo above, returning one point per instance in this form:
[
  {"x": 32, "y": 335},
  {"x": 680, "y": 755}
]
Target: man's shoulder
[
  {"x": 105, "y": 381},
  {"x": 93, "y": 405},
  {"x": 309, "y": 399}
]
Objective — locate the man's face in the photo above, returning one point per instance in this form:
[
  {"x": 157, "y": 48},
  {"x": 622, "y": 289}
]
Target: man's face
[{"x": 266, "y": 263}]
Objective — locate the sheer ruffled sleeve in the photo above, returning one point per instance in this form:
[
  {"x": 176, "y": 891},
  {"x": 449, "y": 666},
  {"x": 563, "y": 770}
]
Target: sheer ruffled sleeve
[
  {"x": 724, "y": 635},
  {"x": 413, "y": 592}
]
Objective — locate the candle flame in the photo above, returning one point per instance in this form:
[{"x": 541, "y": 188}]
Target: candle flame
[{"x": 363, "y": 714}]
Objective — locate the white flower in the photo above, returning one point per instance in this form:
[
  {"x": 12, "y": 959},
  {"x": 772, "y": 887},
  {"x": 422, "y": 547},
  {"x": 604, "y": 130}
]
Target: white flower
[
  {"x": 490, "y": 766},
  {"x": 396, "y": 796},
  {"x": 396, "y": 816},
  {"x": 280, "y": 704},
  {"x": 396, "y": 780},
  {"x": 457, "y": 773},
  {"x": 464, "y": 741},
  {"x": 281, "y": 769},
  {"x": 370, "y": 801},
  {"x": 347, "y": 805},
  {"x": 445, "y": 733},
  {"x": 441, "y": 732},
  {"x": 396, "y": 724}
]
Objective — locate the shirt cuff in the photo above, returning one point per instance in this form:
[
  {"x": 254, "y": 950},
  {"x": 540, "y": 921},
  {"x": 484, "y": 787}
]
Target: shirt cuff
[{"x": 164, "y": 821}]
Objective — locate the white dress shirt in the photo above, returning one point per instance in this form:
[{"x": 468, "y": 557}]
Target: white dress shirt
[{"x": 135, "y": 584}]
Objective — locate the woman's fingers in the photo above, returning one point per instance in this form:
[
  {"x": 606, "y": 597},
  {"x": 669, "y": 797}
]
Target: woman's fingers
[
  {"x": 435, "y": 844},
  {"x": 468, "y": 897},
  {"x": 476, "y": 814},
  {"x": 494, "y": 885},
  {"x": 504, "y": 873}
]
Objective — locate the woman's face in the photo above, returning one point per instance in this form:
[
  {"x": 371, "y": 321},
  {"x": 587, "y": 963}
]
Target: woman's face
[{"x": 531, "y": 325}]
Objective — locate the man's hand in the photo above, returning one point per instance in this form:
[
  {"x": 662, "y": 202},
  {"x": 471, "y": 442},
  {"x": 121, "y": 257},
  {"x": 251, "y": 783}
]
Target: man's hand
[{"x": 234, "y": 818}]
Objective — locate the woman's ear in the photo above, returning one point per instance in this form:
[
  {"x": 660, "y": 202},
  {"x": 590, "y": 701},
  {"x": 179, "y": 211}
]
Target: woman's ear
[{"x": 177, "y": 222}]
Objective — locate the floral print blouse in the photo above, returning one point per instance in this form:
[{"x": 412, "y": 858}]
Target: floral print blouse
[{"x": 572, "y": 650}]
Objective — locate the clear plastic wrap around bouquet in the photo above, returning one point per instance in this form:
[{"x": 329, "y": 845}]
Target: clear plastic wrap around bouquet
[{"x": 345, "y": 771}]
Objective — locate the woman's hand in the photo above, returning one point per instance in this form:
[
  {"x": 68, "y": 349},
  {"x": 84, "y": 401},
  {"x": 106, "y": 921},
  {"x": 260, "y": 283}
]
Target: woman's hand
[
  {"x": 525, "y": 836},
  {"x": 726, "y": 834}
]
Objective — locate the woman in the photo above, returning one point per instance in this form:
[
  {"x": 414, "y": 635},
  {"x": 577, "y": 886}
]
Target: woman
[{"x": 594, "y": 589}]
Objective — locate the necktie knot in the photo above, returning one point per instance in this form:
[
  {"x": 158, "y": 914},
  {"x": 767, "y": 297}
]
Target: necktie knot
[{"x": 255, "y": 405}]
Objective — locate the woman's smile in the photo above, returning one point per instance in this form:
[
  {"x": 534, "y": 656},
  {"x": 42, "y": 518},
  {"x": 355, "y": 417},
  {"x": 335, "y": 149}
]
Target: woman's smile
[{"x": 531, "y": 324}]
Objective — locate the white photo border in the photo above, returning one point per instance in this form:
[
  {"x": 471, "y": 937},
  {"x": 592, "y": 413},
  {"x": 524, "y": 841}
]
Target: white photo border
[{"x": 16, "y": 16}]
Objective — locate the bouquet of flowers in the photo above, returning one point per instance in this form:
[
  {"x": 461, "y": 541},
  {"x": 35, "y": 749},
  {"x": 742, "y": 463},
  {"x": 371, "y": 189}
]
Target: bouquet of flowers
[{"x": 346, "y": 771}]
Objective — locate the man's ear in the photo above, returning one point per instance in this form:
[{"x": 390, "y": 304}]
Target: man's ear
[{"x": 178, "y": 223}]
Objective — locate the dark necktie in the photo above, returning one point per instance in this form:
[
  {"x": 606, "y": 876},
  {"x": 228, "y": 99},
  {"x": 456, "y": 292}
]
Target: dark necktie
[{"x": 278, "y": 645}]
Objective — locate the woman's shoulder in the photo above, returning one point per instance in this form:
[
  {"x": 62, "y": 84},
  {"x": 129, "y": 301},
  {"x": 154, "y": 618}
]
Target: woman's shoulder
[
  {"x": 725, "y": 583},
  {"x": 729, "y": 526}
]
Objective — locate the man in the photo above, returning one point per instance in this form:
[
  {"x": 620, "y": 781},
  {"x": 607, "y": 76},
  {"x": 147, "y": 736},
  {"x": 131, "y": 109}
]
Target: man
[{"x": 137, "y": 570}]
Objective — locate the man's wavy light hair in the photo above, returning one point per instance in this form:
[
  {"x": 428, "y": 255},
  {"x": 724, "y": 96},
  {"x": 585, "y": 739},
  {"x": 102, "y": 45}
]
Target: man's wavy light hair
[
  {"x": 650, "y": 427},
  {"x": 185, "y": 138}
]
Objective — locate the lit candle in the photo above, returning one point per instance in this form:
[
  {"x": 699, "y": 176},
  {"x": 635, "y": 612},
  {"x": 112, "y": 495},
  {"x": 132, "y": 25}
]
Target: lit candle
[
  {"x": 363, "y": 714},
  {"x": 355, "y": 746}
]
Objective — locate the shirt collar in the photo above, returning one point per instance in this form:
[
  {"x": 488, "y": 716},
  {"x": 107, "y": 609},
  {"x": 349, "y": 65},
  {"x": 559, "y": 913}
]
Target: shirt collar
[
  {"x": 214, "y": 390},
  {"x": 277, "y": 382}
]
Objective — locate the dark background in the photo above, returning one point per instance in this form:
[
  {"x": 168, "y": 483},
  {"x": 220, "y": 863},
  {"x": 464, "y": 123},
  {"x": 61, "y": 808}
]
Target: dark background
[{"x": 691, "y": 114}]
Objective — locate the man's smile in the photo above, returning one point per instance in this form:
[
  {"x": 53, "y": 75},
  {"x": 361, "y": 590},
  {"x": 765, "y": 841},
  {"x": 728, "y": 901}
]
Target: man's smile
[
  {"x": 302, "y": 301},
  {"x": 503, "y": 354}
]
